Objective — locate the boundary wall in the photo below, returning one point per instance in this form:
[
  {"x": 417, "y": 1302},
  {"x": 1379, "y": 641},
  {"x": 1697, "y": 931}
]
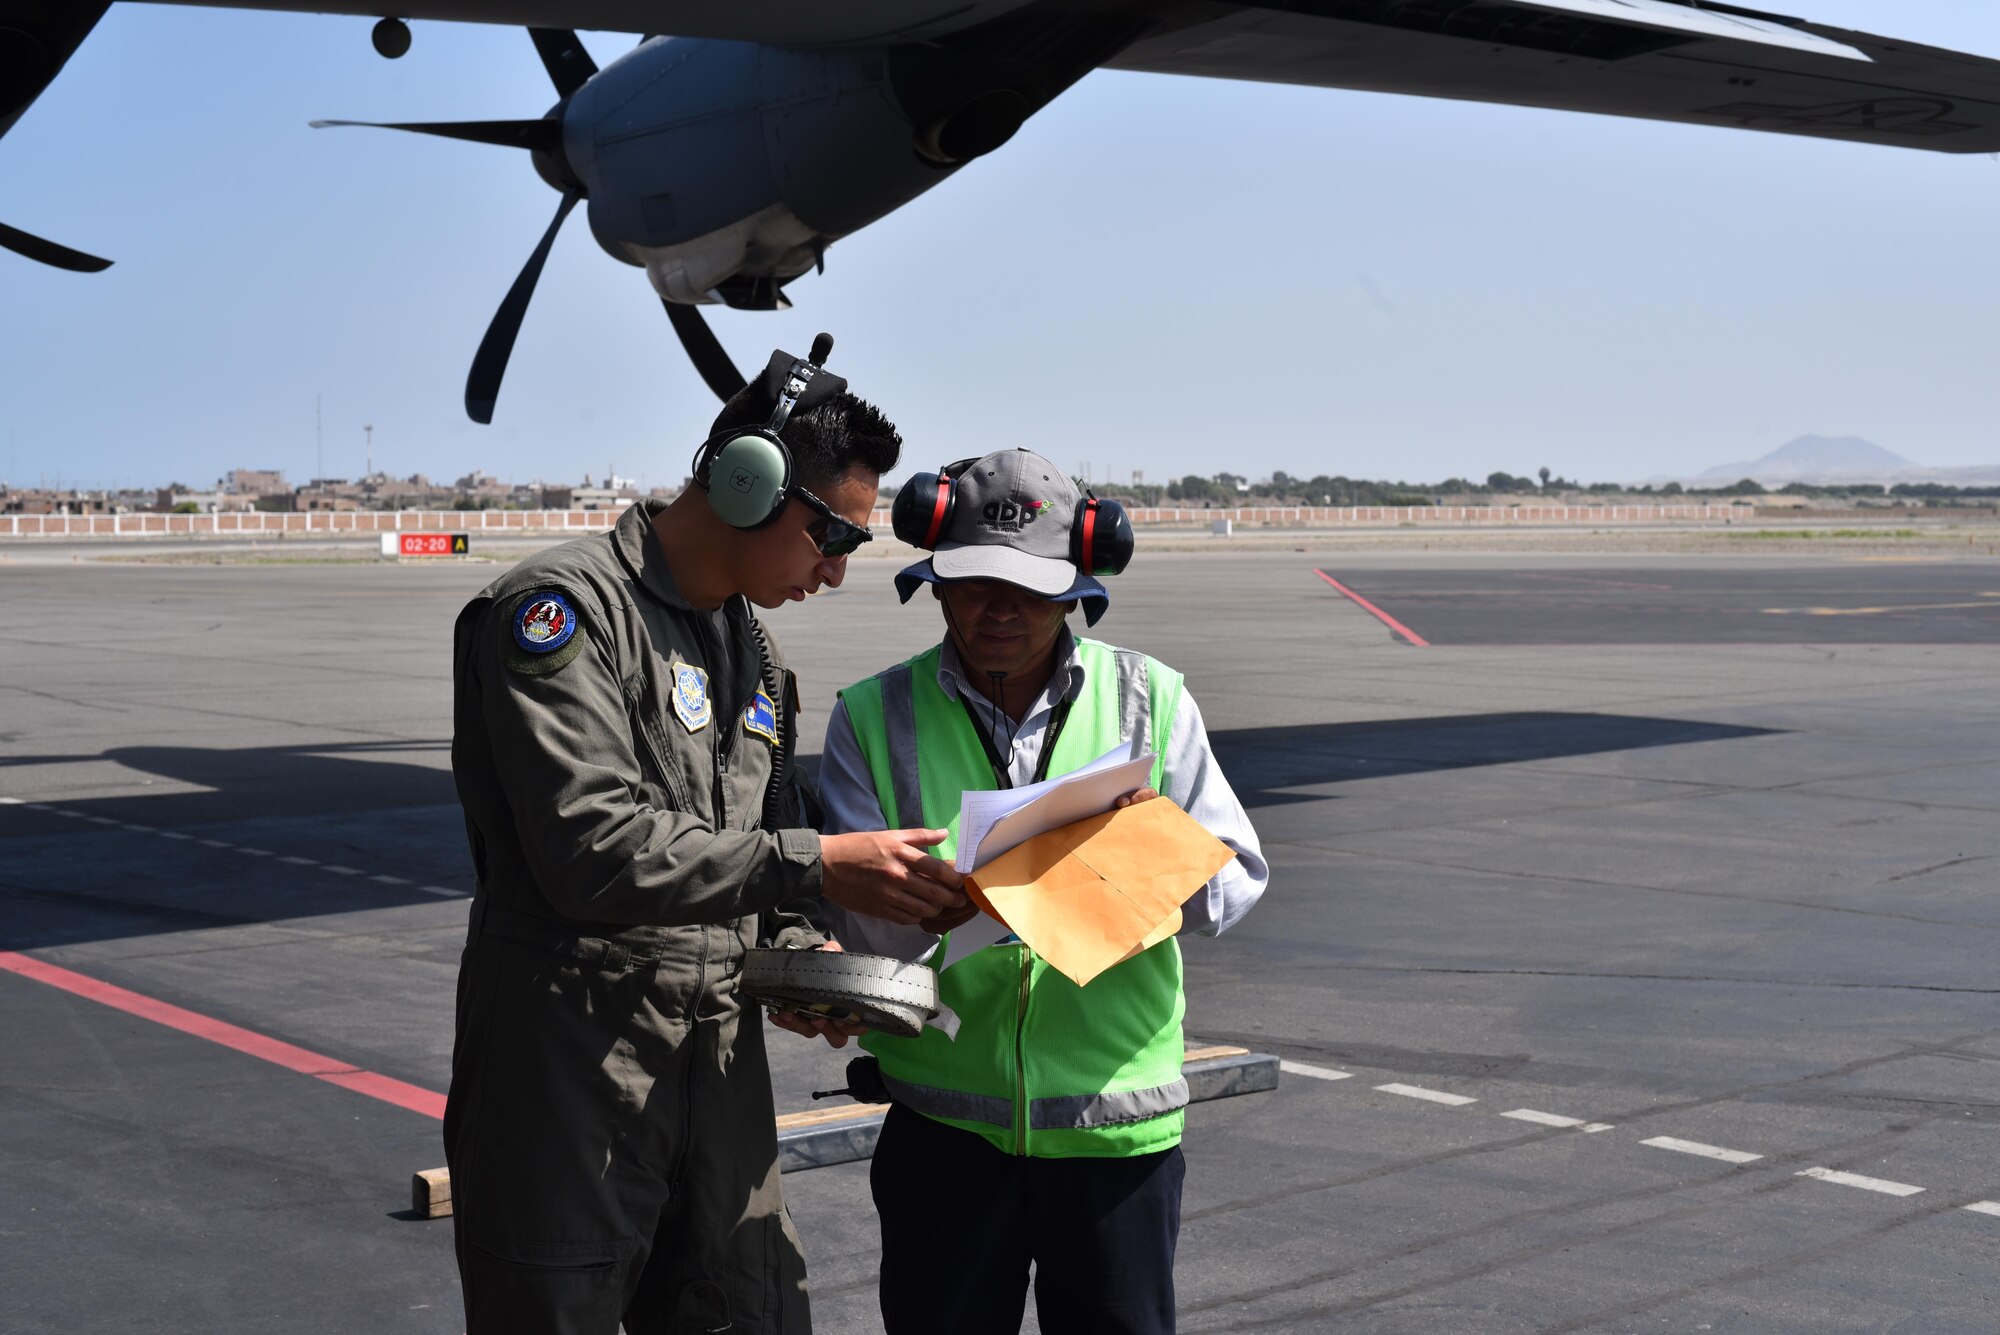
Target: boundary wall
[{"x": 324, "y": 523}]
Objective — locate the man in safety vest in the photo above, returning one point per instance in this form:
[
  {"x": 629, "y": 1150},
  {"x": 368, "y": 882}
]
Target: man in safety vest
[{"x": 1049, "y": 1131}]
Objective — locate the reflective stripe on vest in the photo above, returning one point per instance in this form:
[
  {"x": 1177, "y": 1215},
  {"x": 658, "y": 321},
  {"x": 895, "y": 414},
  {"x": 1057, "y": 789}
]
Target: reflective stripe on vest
[{"x": 899, "y": 721}]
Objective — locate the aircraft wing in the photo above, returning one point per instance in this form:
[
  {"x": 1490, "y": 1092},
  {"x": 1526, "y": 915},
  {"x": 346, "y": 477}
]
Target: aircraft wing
[
  {"x": 35, "y": 45},
  {"x": 1673, "y": 60},
  {"x": 804, "y": 23}
]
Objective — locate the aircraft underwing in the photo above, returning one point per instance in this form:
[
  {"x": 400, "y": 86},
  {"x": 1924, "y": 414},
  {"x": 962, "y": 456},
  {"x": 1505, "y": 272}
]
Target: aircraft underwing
[{"x": 729, "y": 149}]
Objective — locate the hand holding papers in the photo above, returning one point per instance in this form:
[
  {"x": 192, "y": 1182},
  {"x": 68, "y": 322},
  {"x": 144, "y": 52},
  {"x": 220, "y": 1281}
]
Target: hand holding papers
[
  {"x": 990, "y": 823},
  {"x": 1094, "y": 892}
]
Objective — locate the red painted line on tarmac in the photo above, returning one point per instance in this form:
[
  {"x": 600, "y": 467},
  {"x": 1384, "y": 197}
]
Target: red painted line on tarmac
[
  {"x": 1378, "y": 613},
  {"x": 248, "y": 1041}
]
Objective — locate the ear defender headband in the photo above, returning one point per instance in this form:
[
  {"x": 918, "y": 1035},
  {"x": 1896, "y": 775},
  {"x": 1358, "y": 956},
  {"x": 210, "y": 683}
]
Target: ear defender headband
[
  {"x": 747, "y": 471},
  {"x": 1100, "y": 539}
]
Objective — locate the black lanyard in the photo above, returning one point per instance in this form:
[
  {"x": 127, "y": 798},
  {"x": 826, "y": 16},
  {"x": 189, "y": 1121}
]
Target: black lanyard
[{"x": 1002, "y": 770}]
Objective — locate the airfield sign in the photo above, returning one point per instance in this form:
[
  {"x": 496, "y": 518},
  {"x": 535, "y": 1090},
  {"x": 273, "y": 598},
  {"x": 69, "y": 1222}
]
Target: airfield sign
[{"x": 400, "y": 545}]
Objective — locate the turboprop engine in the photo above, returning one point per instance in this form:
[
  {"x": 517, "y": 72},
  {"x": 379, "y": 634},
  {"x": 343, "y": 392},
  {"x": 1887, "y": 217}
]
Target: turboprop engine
[{"x": 725, "y": 169}]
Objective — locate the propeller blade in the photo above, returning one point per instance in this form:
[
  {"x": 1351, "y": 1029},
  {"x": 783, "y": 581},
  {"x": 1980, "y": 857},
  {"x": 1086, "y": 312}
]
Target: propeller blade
[
  {"x": 489, "y": 364},
  {"x": 705, "y": 350},
  {"x": 544, "y": 134},
  {"x": 48, "y": 252},
  {"x": 569, "y": 65}
]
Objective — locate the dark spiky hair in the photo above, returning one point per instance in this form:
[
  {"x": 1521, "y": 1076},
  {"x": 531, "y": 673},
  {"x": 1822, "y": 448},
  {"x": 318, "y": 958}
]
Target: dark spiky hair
[{"x": 845, "y": 432}]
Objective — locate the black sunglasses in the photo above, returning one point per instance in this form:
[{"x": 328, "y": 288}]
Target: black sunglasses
[{"x": 833, "y": 535}]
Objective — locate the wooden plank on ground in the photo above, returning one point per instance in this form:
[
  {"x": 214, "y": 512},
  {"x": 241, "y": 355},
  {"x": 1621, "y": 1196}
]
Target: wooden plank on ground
[{"x": 430, "y": 1193}]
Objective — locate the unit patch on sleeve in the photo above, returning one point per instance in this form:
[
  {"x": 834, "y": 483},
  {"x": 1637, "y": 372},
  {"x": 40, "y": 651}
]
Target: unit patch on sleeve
[
  {"x": 761, "y": 717},
  {"x": 691, "y": 696},
  {"x": 542, "y": 633}
]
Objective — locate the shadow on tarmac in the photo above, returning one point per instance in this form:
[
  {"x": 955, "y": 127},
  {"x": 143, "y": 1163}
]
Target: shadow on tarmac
[
  {"x": 67, "y": 879},
  {"x": 253, "y": 783},
  {"x": 1263, "y": 762},
  {"x": 63, "y": 881}
]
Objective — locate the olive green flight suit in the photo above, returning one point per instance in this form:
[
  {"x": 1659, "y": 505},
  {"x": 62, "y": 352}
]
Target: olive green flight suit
[{"x": 610, "y": 1124}]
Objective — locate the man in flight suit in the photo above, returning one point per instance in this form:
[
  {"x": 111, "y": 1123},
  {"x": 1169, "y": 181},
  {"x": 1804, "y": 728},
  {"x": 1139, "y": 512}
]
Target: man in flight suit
[{"x": 622, "y": 736}]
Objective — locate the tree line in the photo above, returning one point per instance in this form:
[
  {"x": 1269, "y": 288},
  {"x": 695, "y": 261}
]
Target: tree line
[{"x": 1281, "y": 488}]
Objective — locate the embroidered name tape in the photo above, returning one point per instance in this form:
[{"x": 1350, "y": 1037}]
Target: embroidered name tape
[{"x": 760, "y": 717}]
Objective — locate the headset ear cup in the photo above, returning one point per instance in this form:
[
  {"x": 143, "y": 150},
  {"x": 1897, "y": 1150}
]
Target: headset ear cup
[
  {"x": 749, "y": 480},
  {"x": 1101, "y": 537},
  {"x": 921, "y": 514}
]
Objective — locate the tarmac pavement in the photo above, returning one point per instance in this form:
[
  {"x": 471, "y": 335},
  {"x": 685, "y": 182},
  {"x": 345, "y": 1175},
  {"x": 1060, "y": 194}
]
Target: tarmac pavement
[{"x": 1694, "y": 851}]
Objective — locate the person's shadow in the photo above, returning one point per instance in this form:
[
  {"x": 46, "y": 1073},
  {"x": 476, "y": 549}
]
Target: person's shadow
[
  {"x": 1262, "y": 763},
  {"x": 218, "y": 835}
]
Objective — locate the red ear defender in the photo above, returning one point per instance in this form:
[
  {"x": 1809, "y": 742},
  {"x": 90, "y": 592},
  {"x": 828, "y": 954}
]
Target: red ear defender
[
  {"x": 1100, "y": 540},
  {"x": 922, "y": 511}
]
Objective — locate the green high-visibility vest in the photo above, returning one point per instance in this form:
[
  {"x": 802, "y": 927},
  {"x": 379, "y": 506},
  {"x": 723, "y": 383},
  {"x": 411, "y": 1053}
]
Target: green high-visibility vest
[{"x": 1040, "y": 1066}]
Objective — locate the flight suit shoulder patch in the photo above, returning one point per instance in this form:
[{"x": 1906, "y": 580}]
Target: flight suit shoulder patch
[{"x": 542, "y": 632}]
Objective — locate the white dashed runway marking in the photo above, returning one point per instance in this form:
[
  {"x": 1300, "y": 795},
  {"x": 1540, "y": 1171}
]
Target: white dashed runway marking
[
  {"x": 1314, "y": 1072},
  {"x": 1705, "y": 1151},
  {"x": 1985, "y": 1207},
  {"x": 1841, "y": 1179},
  {"x": 1434, "y": 1095},
  {"x": 293, "y": 860},
  {"x": 1551, "y": 1119}
]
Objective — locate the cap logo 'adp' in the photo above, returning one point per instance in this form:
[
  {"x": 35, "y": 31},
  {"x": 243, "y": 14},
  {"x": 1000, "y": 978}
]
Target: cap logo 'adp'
[{"x": 1011, "y": 516}]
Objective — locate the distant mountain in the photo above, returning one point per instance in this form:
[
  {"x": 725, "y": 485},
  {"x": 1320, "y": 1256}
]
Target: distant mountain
[{"x": 1817, "y": 459}]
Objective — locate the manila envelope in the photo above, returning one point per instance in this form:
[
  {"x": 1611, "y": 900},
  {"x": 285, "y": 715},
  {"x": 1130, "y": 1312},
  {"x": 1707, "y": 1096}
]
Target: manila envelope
[{"x": 1091, "y": 894}]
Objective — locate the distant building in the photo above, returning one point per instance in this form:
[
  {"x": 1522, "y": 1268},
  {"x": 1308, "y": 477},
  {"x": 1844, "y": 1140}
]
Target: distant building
[
  {"x": 621, "y": 493},
  {"x": 254, "y": 482},
  {"x": 171, "y": 500},
  {"x": 43, "y": 501},
  {"x": 327, "y": 493}
]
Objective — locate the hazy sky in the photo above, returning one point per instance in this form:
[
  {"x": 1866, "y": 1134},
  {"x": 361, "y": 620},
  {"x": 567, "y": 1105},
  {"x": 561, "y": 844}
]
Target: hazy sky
[{"x": 1163, "y": 274}]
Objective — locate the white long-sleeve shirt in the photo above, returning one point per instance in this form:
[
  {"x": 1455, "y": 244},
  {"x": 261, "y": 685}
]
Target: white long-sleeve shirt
[{"x": 1190, "y": 777}]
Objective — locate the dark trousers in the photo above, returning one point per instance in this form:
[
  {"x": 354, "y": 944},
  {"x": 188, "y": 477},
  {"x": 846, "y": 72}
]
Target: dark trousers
[
  {"x": 613, "y": 1152},
  {"x": 961, "y": 1222}
]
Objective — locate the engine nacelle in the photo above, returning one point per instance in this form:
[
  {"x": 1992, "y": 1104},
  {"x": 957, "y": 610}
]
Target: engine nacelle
[{"x": 705, "y": 161}]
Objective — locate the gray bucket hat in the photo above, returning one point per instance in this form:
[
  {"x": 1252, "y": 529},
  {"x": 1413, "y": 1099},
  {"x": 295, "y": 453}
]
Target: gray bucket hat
[{"x": 1011, "y": 516}]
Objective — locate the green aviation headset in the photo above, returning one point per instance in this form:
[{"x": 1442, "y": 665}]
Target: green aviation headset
[{"x": 747, "y": 471}]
